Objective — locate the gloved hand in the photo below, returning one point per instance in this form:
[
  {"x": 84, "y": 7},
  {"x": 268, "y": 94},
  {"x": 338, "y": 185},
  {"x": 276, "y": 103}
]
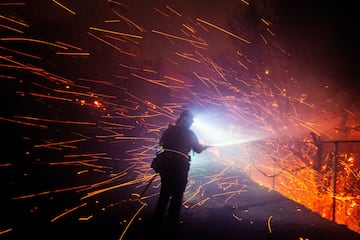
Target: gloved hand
[{"x": 208, "y": 146}]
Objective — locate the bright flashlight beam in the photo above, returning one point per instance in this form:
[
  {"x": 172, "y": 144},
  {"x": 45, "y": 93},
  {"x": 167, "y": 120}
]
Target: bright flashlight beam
[
  {"x": 217, "y": 135},
  {"x": 224, "y": 144}
]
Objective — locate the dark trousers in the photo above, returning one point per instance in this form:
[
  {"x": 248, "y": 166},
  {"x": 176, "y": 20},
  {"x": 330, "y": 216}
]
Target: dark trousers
[{"x": 173, "y": 183}]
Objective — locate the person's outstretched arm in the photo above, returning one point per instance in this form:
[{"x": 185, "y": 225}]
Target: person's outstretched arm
[{"x": 196, "y": 145}]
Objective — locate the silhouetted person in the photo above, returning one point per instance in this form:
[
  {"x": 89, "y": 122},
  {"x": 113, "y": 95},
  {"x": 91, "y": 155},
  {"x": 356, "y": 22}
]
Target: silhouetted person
[{"x": 176, "y": 143}]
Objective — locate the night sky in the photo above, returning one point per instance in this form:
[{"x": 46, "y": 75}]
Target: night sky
[{"x": 324, "y": 37}]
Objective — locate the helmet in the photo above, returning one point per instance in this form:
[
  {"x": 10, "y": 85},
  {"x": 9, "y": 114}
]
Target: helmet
[
  {"x": 186, "y": 118},
  {"x": 187, "y": 114}
]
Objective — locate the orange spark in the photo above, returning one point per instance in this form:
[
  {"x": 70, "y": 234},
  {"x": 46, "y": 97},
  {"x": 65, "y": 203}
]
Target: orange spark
[
  {"x": 179, "y": 38},
  {"x": 12, "y": 29},
  {"x": 174, "y": 11},
  {"x": 117, "y": 33},
  {"x": 21, "y": 53},
  {"x": 111, "y": 45},
  {"x": 63, "y": 6},
  {"x": 33, "y": 40},
  {"x": 186, "y": 56},
  {"x": 56, "y": 121},
  {"x": 223, "y": 30},
  {"x": 48, "y": 192},
  {"x": 59, "y": 143},
  {"x": 67, "y": 212},
  {"x": 129, "y": 22},
  {"x": 69, "y": 45},
  {"x": 269, "y": 224},
  {"x": 161, "y": 12},
  {"x": 49, "y": 97},
  {"x": 23, "y": 123},
  {"x": 192, "y": 30},
  {"x": 117, "y": 3},
  {"x": 73, "y": 54},
  {"x": 12, "y": 4},
  {"x": 156, "y": 82},
  {"x": 14, "y": 21},
  {"x": 8, "y": 229},
  {"x": 139, "y": 180}
]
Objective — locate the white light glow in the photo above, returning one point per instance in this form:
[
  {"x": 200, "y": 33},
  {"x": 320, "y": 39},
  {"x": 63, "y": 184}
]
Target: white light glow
[{"x": 217, "y": 134}]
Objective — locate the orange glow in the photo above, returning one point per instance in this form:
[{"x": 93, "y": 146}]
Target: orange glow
[
  {"x": 351, "y": 159},
  {"x": 97, "y": 104}
]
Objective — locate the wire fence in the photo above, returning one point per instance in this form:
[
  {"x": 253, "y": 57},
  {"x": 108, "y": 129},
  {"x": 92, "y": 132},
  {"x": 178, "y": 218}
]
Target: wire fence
[{"x": 324, "y": 176}]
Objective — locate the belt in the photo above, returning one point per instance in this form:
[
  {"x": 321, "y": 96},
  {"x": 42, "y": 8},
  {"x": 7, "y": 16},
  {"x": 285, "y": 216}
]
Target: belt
[{"x": 176, "y": 151}]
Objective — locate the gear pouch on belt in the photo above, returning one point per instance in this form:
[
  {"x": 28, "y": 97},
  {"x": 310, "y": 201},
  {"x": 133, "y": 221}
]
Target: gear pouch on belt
[{"x": 156, "y": 163}]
